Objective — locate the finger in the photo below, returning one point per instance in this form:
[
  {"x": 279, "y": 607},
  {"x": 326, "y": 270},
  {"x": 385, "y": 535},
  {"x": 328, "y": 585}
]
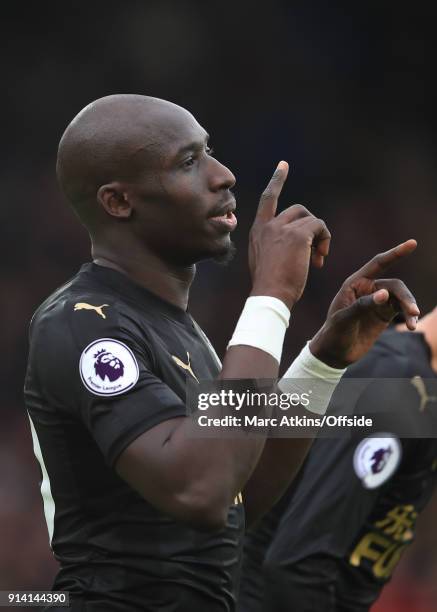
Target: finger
[
  {"x": 320, "y": 249},
  {"x": 269, "y": 198},
  {"x": 323, "y": 242},
  {"x": 387, "y": 307},
  {"x": 381, "y": 262},
  {"x": 317, "y": 260},
  {"x": 317, "y": 254},
  {"x": 377, "y": 302},
  {"x": 370, "y": 302},
  {"x": 321, "y": 238},
  {"x": 292, "y": 213},
  {"x": 405, "y": 299}
]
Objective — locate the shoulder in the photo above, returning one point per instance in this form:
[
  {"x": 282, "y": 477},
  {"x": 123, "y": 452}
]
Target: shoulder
[
  {"x": 71, "y": 315},
  {"x": 77, "y": 324},
  {"x": 395, "y": 355},
  {"x": 85, "y": 341},
  {"x": 410, "y": 346},
  {"x": 75, "y": 315}
]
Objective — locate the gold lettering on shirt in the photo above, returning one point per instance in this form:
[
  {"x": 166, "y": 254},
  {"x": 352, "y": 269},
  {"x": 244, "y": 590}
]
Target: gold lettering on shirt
[{"x": 383, "y": 550}]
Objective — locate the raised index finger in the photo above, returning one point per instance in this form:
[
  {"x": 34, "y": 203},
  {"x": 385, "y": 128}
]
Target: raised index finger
[
  {"x": 269, "y": 198},
  {"x": 381, "y": 262}
]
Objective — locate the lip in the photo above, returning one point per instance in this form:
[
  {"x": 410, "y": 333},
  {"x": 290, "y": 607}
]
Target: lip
[
  {"x": 223, "y": 217},
  {"x": 227, "y": 208},
  {"x": 224, "y": 223}
]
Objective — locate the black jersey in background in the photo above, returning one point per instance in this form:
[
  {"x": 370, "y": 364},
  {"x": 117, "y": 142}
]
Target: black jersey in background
[
  {"x": 109, "y": 360},
  {"x": 334, "y": 539}
]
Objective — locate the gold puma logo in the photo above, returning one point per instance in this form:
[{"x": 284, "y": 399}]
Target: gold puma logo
[
  {"x": 419, "y": 384},
  {"x": 98, "y": 309},
  {"x": 185, "y": 366},
  {"x": 238, "y": 499}
]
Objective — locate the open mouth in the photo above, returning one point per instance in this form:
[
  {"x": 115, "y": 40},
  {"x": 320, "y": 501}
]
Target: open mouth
[{"x": 227, "y": 221}]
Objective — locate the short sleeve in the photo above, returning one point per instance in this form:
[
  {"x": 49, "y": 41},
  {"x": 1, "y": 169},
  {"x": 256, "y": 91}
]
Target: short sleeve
[
  {"x": 102, "y": 372},
  {"x": 116, "y": 421}
]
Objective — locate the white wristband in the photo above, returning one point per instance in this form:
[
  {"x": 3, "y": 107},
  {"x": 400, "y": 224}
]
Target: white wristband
[
  {"x": 262, "y": 324},
  {"x": 322, "y": 383}
]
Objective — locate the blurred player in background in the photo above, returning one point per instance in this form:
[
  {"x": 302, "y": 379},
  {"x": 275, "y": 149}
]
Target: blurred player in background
[
  {"x": 333, "y": 541},
  {"x": 141, "y": 513}
]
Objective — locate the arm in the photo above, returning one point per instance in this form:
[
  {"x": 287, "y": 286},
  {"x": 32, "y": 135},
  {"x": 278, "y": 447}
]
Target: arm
[
  {"x": 190, "y": 478},
  {"x": 196, "y": 480},
  {"x": 361, "y": 311}
]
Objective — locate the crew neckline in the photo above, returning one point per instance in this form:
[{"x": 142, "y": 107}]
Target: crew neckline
[{"x": 126, "y": 287}]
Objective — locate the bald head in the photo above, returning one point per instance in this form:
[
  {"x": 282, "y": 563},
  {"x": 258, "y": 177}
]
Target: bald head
[{"x": 113, "y": 139}]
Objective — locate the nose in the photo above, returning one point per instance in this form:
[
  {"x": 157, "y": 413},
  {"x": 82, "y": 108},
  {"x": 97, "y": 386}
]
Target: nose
[{"x": 221, "y": 177}]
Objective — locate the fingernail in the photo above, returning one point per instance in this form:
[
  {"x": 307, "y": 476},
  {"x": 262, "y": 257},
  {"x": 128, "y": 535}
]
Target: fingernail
[{"x": 413, "y": 322}]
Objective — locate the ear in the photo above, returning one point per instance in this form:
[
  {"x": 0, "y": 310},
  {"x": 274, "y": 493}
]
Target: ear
[{"x": 114, "y": 200}]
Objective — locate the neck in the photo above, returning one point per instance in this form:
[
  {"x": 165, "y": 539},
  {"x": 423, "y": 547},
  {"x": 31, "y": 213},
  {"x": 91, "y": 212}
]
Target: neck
[
  {"x": 168, "y": 281},
  {"x": 427, "y": 325}
]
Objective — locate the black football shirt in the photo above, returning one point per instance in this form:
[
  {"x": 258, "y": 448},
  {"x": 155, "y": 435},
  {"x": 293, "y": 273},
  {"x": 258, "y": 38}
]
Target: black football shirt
[
  {"x": 334, "y": 539},
  {"x": 108, "y": 361}
]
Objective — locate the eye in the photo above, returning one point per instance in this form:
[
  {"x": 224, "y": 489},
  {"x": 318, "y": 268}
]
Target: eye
[{"x": 189, "y": 161}]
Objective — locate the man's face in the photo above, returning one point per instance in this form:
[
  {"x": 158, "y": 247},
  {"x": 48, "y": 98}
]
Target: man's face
[{"x": 183, "y": 204}]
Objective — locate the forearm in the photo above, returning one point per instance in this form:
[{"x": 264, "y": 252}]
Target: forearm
[
  {"x": 194, "y": 476},
  {"x": 211, "y": 471},
  {"x": 191, "y": 478},
  {"x": 231, "y": 459},
  {"x": 191, "y": 473}
]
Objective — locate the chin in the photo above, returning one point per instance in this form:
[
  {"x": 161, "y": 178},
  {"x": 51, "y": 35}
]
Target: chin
[
  {"x": 226, "y": 255},
  {"x": 221, "y": 251}
]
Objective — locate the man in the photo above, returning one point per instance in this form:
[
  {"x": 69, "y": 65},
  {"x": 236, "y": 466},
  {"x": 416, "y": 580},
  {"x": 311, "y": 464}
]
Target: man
[
  {"x": 141, "y": 513},
  {"x": 334, "y": 539}
]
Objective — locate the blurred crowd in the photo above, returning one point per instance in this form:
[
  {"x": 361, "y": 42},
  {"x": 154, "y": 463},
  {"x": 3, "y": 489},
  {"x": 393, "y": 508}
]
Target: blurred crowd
[{"x": 344, "y": 92}]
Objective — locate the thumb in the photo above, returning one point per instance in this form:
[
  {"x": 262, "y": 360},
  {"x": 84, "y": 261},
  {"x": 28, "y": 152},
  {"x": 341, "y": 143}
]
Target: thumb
[
  {"x": 380, "y": 297},
  {"x": 377, "y": 303}
]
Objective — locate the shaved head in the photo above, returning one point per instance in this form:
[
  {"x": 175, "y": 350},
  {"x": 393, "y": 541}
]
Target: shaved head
[
  {"x": 142, "y": 179},
  {"x": 115, "y": 138}
]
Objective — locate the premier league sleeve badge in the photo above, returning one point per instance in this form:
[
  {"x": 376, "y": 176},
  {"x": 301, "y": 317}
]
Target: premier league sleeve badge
[
  {"x": 376, "y": 459},
  {"x": 108, "y": 367}
]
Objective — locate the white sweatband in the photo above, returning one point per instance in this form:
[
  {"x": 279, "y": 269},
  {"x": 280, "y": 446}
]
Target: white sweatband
[
  {"x": 309, "y": 373},
  {"x": 262, "y": 324}
]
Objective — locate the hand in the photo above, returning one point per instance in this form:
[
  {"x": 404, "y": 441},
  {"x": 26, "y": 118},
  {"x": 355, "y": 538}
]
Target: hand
[
  {"x": 363, "y": 308},
  {"x": 281, "y": 247}
]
